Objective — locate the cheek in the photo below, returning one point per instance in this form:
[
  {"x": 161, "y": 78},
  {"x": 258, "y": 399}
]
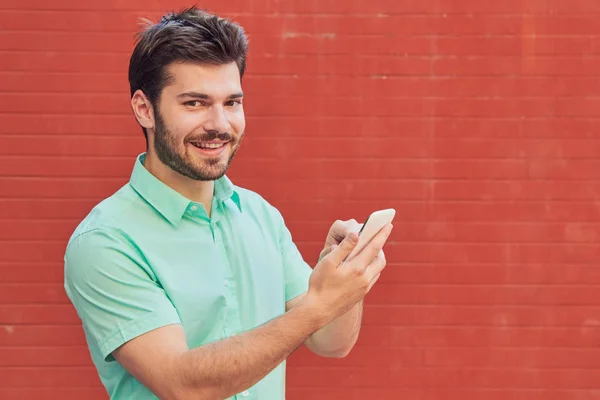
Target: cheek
[
  {"x": 237, "y": 121},
  {"x": 184, "y": 125},
  {"x": 178, "y": 124}
]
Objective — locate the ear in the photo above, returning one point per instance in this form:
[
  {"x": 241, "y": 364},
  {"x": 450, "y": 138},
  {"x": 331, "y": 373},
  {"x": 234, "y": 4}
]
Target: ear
[{"x": 142, "y": 109}]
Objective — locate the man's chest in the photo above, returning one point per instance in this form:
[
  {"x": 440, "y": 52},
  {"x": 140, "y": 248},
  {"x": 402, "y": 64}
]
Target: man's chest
[{"x": 223, "y": 278}]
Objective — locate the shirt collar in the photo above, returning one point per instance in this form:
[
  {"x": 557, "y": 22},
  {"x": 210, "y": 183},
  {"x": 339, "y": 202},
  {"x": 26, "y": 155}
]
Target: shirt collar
[{"x": 170, "y": 203}]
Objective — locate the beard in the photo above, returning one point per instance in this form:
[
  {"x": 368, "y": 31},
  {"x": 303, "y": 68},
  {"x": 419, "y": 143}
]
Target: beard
[{"x": 196, "y": 168}]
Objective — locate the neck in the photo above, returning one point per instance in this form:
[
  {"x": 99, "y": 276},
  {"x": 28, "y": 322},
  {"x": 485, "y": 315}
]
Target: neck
[{"x": 198, "y": 191}]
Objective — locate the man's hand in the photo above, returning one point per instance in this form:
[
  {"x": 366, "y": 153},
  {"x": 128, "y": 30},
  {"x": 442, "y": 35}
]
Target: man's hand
[
  {"x": 338, "y": 231},
  {"x": 337, "y": 284}
]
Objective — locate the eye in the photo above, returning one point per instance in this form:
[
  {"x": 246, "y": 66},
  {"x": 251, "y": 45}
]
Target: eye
[
  {"x": 194, "y": 103},
  {"x": 233, "y": 103}
]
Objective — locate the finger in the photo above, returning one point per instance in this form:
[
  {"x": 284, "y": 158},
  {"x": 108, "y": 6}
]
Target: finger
[
  {"x": 354, "y": 226},
  {"x": 369, "y": 252},
  {"x": 340, "y": 229},
  {"x": 373, "y": 281},
  {"x": 337, "y": 232},
  {"x": 342, "y": 251},
  {"x": 375, "y": 268}
]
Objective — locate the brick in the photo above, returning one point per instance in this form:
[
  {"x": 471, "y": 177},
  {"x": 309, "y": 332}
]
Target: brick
[
  {"x": 478, "y": 378},
  {"x": 299, "y": 147},
  {"x": 34, "y": 294},
  {"x": 329, "y": 43},
  {"x": 509, "y": 358},
  {"x": 498, "y": 210},
  {"x": 98, "y": 393},
  {"x": 517, "y": 190},
  {"x": 41, "y": 272},
  {"x": 74, "y": 145},
  {"x": 503, "y": 66},
  {"x": 69, "y": 124},
  {"x": 73, "y": 21},
  {"x": 534, "y": 149},
  {"x": 400, "y": 272},
  {"x": 326, "y": 168},
  {"x": 479, "y": 294},
  {"x": 13, "y": 251},
  {"x": 44, "y": 357},
  {"x": 340, "y": 377},
  {"x": 501, "y": 232},
  {"x": 58, "y": 188},
  {"x": 66, "y": 62},
  {"x": 36, "y": 230},
  {"x": 66, "y": 41},
  {"x": 43, "y": 208},
  {"x": 501, "y": 393},
  {"x": 62, "y": 83},
  {"x": 381, "y": 320},
  {"x": 513, "y": 45},
  {"x": 338, "y": 127},
  {"x": 518, "y": 128},
  {"x": 342, "y": 65},
  {"x": 49, "y": 377},
  {"x": 41, "y": 336},
  {"x": 38, "y": 314},
  {"x": 64, "y": 103},
  {"x": 108, "y": 167},
  {"x": 411, "y": 24},
  {"x": 487, "y": 336}
]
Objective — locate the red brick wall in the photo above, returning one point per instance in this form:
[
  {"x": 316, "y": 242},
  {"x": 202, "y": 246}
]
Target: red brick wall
[{"x": 477, "y": 120}]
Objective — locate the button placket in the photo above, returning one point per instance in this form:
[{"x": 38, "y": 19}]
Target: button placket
[{"x": 232, "y": 322}]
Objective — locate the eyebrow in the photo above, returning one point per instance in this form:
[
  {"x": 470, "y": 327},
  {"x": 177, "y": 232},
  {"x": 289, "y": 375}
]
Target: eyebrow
[{"x": 204, "y": 96}]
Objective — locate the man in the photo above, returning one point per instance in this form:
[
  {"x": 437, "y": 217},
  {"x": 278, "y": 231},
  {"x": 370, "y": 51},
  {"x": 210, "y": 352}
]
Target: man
[{"x": 189, "y": 287}]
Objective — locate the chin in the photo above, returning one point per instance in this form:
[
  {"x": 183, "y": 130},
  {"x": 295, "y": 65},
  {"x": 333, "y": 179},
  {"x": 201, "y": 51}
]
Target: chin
[{"x": 213, "y": 172}]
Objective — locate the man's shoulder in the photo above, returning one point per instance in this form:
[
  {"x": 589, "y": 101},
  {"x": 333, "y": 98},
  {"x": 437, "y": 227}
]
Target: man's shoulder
[
  {"x": 254, "y": 201},
  {"x": 250, "y": 196},
  {"x": 108, "y": 214},
  {"x": 261, "y": 208}
]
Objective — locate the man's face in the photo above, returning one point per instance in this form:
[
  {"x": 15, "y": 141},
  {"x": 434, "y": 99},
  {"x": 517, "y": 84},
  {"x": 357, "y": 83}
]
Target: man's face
[{"x": 199, "y": 121}]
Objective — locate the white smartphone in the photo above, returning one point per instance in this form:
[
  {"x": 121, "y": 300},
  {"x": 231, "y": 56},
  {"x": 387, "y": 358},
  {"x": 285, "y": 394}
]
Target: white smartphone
[{"x": 374, "y": 223}]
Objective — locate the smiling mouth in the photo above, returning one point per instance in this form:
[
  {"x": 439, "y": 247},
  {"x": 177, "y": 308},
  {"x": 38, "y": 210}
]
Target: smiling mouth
[{"x": 209, "y": 145}]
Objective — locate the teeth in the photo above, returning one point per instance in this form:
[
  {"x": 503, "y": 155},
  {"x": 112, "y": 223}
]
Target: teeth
[{"x": 208, "y": 145}]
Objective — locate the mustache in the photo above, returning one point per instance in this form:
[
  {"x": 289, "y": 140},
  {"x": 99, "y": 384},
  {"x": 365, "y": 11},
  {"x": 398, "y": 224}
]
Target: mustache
[{"x": 208, "y": 136}]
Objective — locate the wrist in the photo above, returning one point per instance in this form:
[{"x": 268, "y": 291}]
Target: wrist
[{"x": 312, "y": 308}]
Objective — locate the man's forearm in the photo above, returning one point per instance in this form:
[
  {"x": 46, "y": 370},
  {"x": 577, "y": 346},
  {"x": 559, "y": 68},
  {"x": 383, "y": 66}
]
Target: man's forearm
[
  {"x": 227, "y": 367},
  {"x": 338, "y": 337}
]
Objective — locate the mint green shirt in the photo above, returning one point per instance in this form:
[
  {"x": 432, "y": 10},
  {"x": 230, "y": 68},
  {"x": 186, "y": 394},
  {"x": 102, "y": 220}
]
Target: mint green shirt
[{"x": 147, "y": 257}]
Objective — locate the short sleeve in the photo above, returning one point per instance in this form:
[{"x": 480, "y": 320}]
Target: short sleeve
[
  {"x": 113, "y": 291},
  {"x": 296, "y": 270}
]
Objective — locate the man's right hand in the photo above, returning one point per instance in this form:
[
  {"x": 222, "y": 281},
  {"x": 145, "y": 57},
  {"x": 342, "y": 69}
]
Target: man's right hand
[{"x": 336, "y": 284}]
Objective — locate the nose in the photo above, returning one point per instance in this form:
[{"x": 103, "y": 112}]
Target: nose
[{"x": 217, "y": 120}]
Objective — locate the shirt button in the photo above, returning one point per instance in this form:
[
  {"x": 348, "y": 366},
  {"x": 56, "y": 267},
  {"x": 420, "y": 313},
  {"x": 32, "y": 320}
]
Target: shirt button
[
  {"x": 226, "y": 283},
  {"x": 245, "y": 393},
  {"x": 193, "y": 208}
]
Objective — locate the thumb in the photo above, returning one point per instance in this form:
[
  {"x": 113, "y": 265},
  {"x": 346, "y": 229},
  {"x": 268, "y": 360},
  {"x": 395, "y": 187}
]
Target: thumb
[
  {"x": 326, "y": 251},
  {"x": 339, "y": 253}
]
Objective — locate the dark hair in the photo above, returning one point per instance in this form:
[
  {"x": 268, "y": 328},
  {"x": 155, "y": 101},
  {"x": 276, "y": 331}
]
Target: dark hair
[{"x": 189, "y": 35}]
